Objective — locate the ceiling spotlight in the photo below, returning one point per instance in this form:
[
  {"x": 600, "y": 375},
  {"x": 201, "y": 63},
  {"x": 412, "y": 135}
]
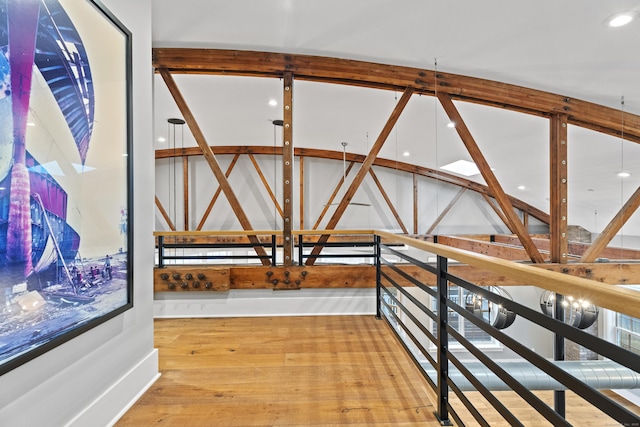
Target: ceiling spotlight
[
  {"x": 31, "y": 124},
  {"x": 273, "y": 102},
  {"x": 161, "y": 139},
  {"x": 406, "y": 154},
  {"x": 451, "y": 125},
  {"x": 621, "y": 19},
  {"x": 521, "y": 187},
  {"x": 624, "y": 174}
]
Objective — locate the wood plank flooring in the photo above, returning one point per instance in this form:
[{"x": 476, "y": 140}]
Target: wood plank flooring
[
  {"x": 282, "y": 371},
  {"x": 304, "y": 371}
]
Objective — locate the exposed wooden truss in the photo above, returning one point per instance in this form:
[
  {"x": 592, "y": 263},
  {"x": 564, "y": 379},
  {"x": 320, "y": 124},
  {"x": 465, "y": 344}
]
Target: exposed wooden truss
[
  {"x": 217, "y": 193},
  {"x": 363, "y": 171},
  {"x": 358, "y": 158},
  {"x": 164, "y": 214},
  {"x": 446, "y": 210},
  {"x": 393, "y": 77},
  {"x": 211, "y": 159},
  {"x": 559, "y": 109},
  {"x": 386, "y": 198},
  {"x": 489, "y": 177},
  {"x": 613, "y": 227}
]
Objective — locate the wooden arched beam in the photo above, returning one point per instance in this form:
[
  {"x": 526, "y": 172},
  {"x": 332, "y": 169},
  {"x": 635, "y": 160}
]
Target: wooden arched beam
[
  {"x": 358, "y": 158},
  {"x": 393, "y": 77}
]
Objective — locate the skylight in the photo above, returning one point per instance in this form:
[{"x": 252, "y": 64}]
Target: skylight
[{"x": 462, "y": 167}]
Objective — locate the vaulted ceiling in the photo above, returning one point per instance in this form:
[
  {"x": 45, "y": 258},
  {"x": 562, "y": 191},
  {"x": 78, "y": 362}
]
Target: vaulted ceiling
[{"x": 561, "y": 47}]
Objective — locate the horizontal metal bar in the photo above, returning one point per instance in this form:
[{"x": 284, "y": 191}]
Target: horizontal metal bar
[
  {"x": 410, "y": 278},
  {"x": 602, "y": 347},
  {"x": 412, "y": 260},
  {"x": 587, "y": 392},
  {"x": 410, "y": 315},
  {"x": 426, "y": 310}
]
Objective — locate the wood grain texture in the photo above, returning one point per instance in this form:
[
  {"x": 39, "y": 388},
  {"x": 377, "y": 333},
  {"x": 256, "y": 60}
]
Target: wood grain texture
[
  {"x": 305, "y": 371},
  {"x": 283, "y": 371},
  {"x": 393, "y": 77},
  {"x": 350, "y": 157}
]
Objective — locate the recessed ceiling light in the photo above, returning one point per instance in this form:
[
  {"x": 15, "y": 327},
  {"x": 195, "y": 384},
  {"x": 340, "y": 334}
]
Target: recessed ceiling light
[
  {"x": 273, "y": 102},
  {"x": 31, "y": 124},
  {"x": 161, "y": 139},
  {"x": 451, "y": 125},
  {"x": 621, "y": 19},
  {"x": 624, "y": 174},
  {"x": 521, "y": 187},
  {"x": 406, "y": 154},
  {"x": 462, "y": 167}
]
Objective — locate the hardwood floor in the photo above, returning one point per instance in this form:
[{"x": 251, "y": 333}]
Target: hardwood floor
[
  {"x": 303, "y": 371},
  {"x": 282, "y": 371}
]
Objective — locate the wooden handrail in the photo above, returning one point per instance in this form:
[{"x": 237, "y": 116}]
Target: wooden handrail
[{"x": 616, "y": 298}]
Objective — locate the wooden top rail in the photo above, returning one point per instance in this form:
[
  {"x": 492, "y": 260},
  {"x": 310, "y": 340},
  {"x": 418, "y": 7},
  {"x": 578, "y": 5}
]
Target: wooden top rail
[{"x": 616, "y": 298}]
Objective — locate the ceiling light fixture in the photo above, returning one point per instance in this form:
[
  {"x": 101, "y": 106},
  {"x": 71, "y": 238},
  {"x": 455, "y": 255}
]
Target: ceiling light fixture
[
  {"x": 624, "y": 174},
  {"x": 273, "y": 102},
  {"x": 521, "y": 187},
  {"x": 621, "y": 19},
  {"x": 162, "y": 139},
  {"x": 451, "y": 125},
  {"x": 406, "y": 154}
]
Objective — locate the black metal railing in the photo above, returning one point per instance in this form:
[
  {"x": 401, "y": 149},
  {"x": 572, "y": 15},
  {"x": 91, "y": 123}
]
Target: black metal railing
[
  {"x": 348, "y": 245},
  {"x": 401, "y": 301},
  {"x": 178, "y": 244}
]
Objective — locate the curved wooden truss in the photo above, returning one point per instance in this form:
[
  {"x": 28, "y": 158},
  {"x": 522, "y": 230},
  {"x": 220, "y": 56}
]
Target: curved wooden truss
[
  {"x": 252, "y": 151},
  {"x": 560, "y": 110}
]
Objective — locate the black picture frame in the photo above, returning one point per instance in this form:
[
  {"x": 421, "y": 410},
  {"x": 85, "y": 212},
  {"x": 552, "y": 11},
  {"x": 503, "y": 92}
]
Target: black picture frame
[{"x": 66, "y": 174}]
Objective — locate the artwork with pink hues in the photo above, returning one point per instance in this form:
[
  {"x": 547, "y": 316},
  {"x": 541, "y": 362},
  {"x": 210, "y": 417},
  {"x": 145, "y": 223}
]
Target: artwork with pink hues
[{"x": 65, "y": 239}]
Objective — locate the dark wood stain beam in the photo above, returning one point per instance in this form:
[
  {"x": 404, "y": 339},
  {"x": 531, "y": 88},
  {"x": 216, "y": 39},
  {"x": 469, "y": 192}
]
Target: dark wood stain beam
[
  {"x": 266, "y": 184},
  {"x": 364, "y": 169},
  {"x": 392, "y": 77},
  {"x": 613, "y": 227},
  {"x": 489, "y": 177},
  {"x": 337, "y": 155},
  {"x": 164, "y": 214},
  {"x": 559, "y": 193},
  {"x": 217, "y": 193},
  {"x": 211, "y": 159},
  {"x": 388, "y": 200},
  {"x": 446, "y": 210}
]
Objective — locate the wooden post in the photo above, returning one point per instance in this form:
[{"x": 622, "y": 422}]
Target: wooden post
[
  {"x": 558, "y": 225},
  {"x": 287, "y": 170}
]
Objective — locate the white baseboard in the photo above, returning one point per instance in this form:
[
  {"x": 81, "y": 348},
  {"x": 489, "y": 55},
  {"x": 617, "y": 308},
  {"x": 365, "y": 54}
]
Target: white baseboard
[
  {"x": 118, "y": 398},
  {"x": 265, "y": 302}
]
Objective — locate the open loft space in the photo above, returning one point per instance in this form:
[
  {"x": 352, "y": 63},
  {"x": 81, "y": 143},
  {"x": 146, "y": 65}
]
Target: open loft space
[
  {"x": 270, "y": 213},
  {"x": 318, "y": 175}
]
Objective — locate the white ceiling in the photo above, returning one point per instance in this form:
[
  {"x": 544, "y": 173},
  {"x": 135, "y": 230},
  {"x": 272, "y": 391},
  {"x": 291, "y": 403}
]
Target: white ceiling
[{"x": 558, "y": 46}]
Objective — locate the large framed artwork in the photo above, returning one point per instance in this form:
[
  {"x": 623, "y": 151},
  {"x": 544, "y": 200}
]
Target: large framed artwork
[{"x": 65, "y": 173}]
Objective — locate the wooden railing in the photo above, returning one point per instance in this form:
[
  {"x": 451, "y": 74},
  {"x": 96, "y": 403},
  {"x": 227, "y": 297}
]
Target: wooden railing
[{"x": 430, "y": 340}]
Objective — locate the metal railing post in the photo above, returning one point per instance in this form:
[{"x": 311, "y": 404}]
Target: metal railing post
[
  {"x": 443, "y": 343},
  {"x": 559, "y": 403},
  {"x": 273, "y": 250},
  {"x": 300, "y": 250},
  {"x": 160, "y": 251},
  {"x": 378, "y": 284}
]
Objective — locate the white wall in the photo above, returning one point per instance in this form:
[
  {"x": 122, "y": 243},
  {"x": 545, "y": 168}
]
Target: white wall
[{"x": 89, "y": 380}]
